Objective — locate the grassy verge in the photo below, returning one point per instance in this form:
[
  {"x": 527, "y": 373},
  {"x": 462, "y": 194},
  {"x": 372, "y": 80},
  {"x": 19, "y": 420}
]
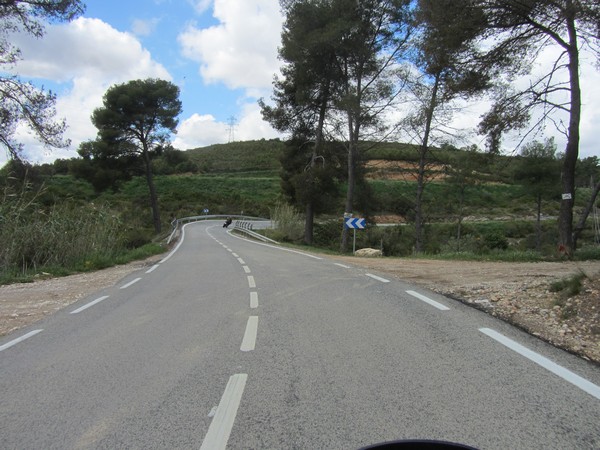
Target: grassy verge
[{"x": 94, "y": 262}]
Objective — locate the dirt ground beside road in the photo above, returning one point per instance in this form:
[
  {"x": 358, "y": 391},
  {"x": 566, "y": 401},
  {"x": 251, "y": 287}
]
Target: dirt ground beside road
[{"x": 516, "y": 292}]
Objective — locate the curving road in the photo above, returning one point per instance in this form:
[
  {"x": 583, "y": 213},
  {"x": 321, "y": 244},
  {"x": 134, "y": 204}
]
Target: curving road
[{"x": 232, "y": 343}]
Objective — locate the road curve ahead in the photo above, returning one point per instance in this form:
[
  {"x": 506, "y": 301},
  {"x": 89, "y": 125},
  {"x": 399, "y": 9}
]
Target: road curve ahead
[{"x": 229, "y": 343}]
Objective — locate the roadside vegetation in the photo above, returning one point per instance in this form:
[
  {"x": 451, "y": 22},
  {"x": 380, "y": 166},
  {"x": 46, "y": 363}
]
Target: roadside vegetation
[
  {"x": 341, "y": 156},
  {"x": 53, "y": 220}
]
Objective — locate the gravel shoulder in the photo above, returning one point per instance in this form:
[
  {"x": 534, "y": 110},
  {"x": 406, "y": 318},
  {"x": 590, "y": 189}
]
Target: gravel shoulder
[{"x": 516, "y": 292}]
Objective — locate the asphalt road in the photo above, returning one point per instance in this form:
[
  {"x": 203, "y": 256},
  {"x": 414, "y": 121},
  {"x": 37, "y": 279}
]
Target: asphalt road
[{"x": 228, "y": 342}]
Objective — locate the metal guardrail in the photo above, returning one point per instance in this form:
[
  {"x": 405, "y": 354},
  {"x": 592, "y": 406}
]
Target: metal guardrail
[
  {"x": 246, "y": 228},
  {"x": 248, "y": 222}
]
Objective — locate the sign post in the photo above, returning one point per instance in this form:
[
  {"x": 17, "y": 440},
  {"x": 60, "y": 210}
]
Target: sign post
[{"x": 354, "y": 224}]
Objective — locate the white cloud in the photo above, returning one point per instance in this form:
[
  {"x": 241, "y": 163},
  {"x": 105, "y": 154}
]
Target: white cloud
[
  {"x": 469, "y": 113},
  {"x": 200, "y": 131},
  {"x": 87, "y": 56},
  {"x": 252, "y": 126},
  {"x": 200, "y": 5},
  {"x": 86, "y": 47},
  {"x": 141, "y": 27},
  {"x": 241, "y": 51},
  {"x": 203, "y": 130}
]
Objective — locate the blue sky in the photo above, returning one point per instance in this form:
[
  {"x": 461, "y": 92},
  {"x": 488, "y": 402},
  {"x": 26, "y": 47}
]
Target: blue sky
[{"x": 223, "y": 56}]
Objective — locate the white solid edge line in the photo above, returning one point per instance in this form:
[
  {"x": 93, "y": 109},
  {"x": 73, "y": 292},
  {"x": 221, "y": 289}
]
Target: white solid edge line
[
  {"x": 251, "y": 281},
  {"x": 249, "y": 341},
  {"x": 220, "y": 428},
  {"x": 428, "y": 300},
  {"x": 166, "y": 258},
  {"x": 19, "y": 339},
  {"x": 547, "y": 364},
  {"x": 253, "y": 300},
  {"x": 132, "y": 282},
  {"x": 275, "y": 247},
  {"x": 84, "y": 307},
  {"x": 375, "y": 277}
]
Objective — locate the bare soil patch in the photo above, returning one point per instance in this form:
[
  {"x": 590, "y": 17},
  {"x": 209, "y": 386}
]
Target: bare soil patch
[
  {"x": 384, "y": 169},
  {"x": 516, "y": 292}
]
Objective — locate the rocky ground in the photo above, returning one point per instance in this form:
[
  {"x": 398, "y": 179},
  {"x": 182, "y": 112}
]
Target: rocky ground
[{"x": 516, "y": 292}]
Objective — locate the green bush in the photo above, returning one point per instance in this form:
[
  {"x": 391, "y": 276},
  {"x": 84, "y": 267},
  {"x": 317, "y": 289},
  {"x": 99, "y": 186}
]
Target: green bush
[
  {"x": 494, "y": 240},
  {"x": 289, "y": 225},
  {"x": 393, "y": 241},
  {"x": 328, "y": 234},
  {"x": 62, "y": 236},
  {"x": 569, "y": 287}
]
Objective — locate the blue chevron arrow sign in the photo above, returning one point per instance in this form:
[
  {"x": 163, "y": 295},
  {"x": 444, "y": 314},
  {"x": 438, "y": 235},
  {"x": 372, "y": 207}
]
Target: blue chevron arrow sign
[{"x": 355, "y": 223}]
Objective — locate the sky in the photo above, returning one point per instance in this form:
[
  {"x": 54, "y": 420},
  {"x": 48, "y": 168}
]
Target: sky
[{"x": 221, "y": 53}]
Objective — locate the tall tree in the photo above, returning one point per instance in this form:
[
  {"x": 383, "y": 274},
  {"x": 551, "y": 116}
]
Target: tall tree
[
  {"x": 304, "y": 94},
  {"x": 589, "y": 170},
  {"x": 538, "y": 171},
  {"x": 445, "y": 47},
  {"x": 461, "y": 175},
  {"x": 21, "y": 102},
  {"x": 374, "y": 38},
  {"x": 137, "y": 117},
  {"x": 516, "y": 34}
]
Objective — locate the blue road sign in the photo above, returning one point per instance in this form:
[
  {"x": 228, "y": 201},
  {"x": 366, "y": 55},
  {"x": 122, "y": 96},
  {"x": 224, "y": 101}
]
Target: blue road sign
[{"x": 355, "y": 223}]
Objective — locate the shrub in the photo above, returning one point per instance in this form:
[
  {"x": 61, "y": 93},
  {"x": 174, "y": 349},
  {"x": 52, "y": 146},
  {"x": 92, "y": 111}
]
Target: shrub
[
  {"x": 289, "y": 225},
  {"x": 570, "y": 286},
  {"x": 494, "y": 240},
  {"x": 328, "y": 234},
  {"x": 61, "y": 236}
]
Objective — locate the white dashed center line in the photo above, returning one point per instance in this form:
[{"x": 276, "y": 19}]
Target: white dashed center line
[
  {"x": 220, "y": 428},
  {"x": 249, "y": 341},
  {"x": 253, "y": 300}
]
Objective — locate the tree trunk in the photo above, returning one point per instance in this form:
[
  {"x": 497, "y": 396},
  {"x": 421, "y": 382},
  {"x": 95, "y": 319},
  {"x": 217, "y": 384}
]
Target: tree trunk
[
  {"x": 348, "y": 207},
  {"x": 538, "y": 224},
  {"x": 585, "y": 214},
  {"x": 151, "y": 188},
  {"x": 461, "y": 202},
  {"x": 310, "y": 206},
  {"x": 565, "y": 217},
  {"x": 421, "y": 170},
  {"x": 309, "y": 222}
]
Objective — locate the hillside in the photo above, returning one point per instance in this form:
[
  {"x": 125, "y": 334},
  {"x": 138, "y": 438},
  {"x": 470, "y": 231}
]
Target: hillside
[
  {"x": 390, "y": 170},
  {"x": 494, "y": 211}
]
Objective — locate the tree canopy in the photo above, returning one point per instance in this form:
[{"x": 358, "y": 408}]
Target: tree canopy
[
  {"x": 137, "y": 118},
  {"x": 21, "y": 103}
]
